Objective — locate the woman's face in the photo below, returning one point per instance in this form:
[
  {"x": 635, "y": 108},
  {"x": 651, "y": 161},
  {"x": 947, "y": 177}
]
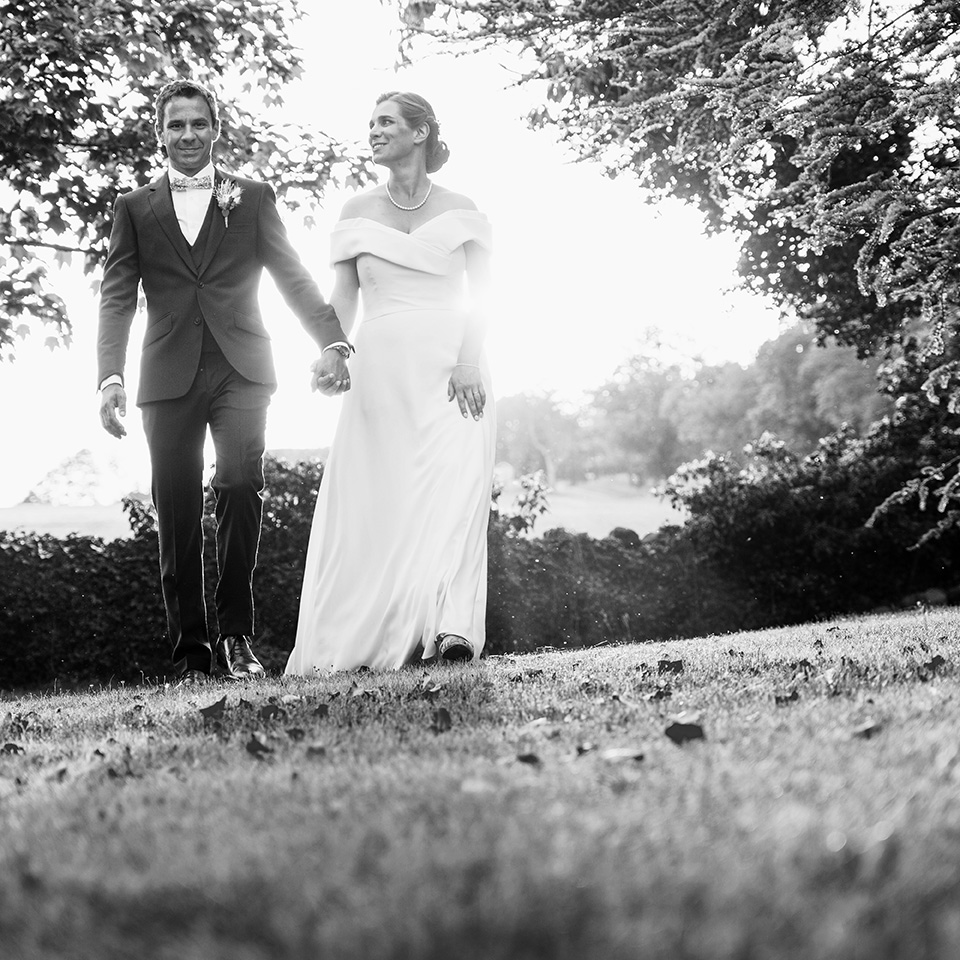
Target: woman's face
[{"x": 391, "y": 137}]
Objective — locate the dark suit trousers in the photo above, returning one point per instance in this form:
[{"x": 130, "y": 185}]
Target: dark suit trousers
[{"x": 236, "y": 411}]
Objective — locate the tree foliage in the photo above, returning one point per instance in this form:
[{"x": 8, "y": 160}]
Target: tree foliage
[
  {"x": 825, "y": 133},
  {"x": 77, "y": 83}
]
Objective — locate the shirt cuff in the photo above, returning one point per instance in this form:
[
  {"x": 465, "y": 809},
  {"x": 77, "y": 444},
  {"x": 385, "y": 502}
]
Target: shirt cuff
[
  {"x": 339, "y": 343},
  {"x": 114, "y": 378}
]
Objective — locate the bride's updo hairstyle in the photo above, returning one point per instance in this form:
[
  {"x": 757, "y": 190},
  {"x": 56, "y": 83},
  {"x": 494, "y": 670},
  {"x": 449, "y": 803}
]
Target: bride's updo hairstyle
[{"x": 415, "y": 111}]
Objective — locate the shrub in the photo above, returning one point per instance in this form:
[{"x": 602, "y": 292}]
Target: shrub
[{"x": 792, "y": 533}]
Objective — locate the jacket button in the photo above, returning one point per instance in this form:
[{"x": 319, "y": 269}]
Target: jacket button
[
  {"x": 199, "y": 284},
  {"x": 197, "y": 322}
]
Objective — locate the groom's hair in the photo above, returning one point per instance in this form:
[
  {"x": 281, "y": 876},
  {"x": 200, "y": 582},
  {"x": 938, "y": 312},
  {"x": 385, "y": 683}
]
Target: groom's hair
[
  {"x": 415, "y": 110},
  {"x": 183, "y": 88}
]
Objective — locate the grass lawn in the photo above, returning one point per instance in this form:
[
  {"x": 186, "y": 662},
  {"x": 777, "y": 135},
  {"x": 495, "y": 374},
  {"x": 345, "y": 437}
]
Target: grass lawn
[{"x": 528, "y": 807}]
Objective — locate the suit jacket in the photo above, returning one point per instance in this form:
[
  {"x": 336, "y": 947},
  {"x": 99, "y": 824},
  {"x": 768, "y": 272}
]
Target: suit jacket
[{"x": 148, "y": 248}]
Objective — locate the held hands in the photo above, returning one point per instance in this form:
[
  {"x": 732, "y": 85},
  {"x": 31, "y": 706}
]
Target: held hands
[
  {"x": 466, "y": 387},
  {"x": 113, "y": 401},
  {"x": 329, "y": 374}
]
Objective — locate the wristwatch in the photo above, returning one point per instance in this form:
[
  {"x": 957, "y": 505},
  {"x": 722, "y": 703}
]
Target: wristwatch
[{"x": 342, "y": 348}]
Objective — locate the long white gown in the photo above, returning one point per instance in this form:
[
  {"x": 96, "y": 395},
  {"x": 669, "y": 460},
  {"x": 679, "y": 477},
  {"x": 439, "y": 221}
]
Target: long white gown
[{"x": 398, "y": 548}]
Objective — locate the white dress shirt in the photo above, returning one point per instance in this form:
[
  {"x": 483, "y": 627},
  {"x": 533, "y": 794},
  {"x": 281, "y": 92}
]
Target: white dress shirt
[{"x": 191, "y": 205}]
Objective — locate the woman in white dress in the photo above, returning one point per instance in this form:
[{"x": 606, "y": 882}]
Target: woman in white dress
[{"x": 397, "y": 560}]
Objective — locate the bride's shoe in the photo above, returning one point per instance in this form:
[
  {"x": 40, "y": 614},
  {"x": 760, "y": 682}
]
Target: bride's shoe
[{"x": 453, "y": 647}]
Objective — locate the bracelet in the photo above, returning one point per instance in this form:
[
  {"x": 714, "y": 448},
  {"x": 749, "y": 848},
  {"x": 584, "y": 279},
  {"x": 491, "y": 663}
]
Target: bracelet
[{"x": 476, "y": 366}]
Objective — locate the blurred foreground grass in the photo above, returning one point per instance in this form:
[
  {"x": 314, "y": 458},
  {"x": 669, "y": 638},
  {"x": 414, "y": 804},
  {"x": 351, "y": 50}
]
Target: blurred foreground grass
[{"x": 528, "y": 807}]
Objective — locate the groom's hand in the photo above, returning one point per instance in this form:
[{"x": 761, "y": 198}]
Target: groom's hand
[
  {"x": 330, "y": 374},
  {"x": 113, "y": 401}
]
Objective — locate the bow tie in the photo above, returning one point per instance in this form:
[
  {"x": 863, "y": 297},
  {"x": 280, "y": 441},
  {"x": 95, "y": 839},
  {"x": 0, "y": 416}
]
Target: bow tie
[{"x": 192, "y": 183}]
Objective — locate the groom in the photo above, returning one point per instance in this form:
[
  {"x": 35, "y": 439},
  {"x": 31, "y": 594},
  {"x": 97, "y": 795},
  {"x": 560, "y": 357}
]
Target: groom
[{"x": 197, "y": 242}]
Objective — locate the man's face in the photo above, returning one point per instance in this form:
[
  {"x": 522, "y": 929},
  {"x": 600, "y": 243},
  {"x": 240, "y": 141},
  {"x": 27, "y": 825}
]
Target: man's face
[{"x": 188, "y": 134}]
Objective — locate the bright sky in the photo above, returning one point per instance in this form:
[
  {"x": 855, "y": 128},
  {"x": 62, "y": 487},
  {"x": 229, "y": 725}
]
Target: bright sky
[{"x": 583, "y": 266}]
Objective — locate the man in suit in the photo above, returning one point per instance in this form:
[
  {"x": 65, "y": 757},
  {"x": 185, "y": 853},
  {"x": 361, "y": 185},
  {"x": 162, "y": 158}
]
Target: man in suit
[{"x": 197, "y": 242}]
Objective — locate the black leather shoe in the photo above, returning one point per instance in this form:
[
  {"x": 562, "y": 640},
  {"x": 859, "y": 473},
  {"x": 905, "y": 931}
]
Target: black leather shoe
[
  {"x": 236, "y": 657},
  {"x": 192, "y": 678}
]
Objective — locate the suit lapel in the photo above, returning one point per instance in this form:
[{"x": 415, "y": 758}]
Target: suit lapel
[
  {"x": 162, "y": 205},
  {"x": 218, "y": 229}
]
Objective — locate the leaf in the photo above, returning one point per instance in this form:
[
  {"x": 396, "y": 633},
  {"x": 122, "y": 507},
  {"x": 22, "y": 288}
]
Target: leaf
[
  {"x": 257, "y": 746},
  {"x": 271, "y": 711},
  {"x": 619, "y": 754},
  {"x": 430, "y": 689},
  {"x": 669, "y": 666},
  {"x": 663, "y": 692},
  {"x": 358, "y": 690},
  {"x": 783, "y": 700},
  {"x": 215, "y": 710},
  {"x": 442, "y": 721},
  {"x": 323, "y": 710},
  {"x": 867, "y": 729},
  {"x": 930, "y": 668},
  {"x": 316, "y": 750},
  {"x": 12, "y": 748},
  {"x": 684, "y": 728},
  {"x": 296, "y": 733},
  {"x": 531, "y": 759}
]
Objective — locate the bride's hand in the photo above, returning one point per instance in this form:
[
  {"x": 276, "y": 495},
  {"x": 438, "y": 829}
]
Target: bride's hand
[{"x": 466, "y": 386}]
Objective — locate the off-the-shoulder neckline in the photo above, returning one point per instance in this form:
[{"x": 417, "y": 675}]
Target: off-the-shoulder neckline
[{"x": 404, "y": 233}]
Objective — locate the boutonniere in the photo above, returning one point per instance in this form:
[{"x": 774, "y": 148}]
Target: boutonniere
[{"x": 228, "y": 194}]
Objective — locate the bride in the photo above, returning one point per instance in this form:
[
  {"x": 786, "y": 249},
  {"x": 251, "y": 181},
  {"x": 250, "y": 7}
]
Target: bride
[{"x": 397, "y": 560}]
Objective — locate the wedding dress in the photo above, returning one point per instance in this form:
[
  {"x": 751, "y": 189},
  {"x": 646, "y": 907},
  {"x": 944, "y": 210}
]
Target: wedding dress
[{"x": 398, "y": 549}]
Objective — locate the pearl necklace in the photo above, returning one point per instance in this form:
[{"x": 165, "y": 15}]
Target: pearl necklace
[{"x": 416, "y": 206}]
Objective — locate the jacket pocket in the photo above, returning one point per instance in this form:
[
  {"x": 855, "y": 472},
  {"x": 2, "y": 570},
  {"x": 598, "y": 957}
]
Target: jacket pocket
[
  {"x": 160, "y": 328},
  {"x": 250, "y": 325}
]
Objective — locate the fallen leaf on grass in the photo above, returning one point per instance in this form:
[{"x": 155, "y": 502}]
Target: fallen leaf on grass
[
  {"x": 271, "y": 711},
  {"x": 669, "y": 666},
  {"x": 619, "y": 754},
  {"x": 784, "y": 699},
  {"x": 867, "y": 729},
  {"x": 358, "y": 690},
  {"x": 928, "y": 670},
  {"x": 322, "y": 710},
  {"x": 215, "y": 710},
  {"x": 316, "y": 750},
  {"x": 442, "y": 721},
  {"x": 531, "y": 759},
  {"x": 13, "y": 748},
  {"x": 685, "y": 728},
  {"x": 257, "y": 746},
  {"x": 663, "y": 692},
  {"x": 296, "y": 733},
  {"x": 430, "y": 689}
]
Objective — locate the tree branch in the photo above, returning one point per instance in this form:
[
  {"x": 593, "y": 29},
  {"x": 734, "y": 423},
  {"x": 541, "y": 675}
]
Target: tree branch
[{"x": 8, "y": 242}]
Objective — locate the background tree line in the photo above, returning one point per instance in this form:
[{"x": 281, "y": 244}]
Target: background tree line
[{"x": 655, "y": 414}]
